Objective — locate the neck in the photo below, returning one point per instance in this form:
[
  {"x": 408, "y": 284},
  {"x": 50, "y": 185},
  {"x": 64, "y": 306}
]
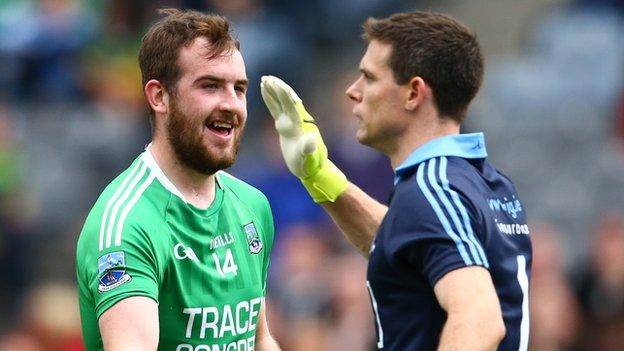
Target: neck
[
  {"x": 197, "y": 188},
  {"x": 420, "y": 134}
]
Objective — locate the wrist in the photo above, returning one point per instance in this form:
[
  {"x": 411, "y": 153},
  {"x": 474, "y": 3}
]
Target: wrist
[{"x": 327, "y": 184}]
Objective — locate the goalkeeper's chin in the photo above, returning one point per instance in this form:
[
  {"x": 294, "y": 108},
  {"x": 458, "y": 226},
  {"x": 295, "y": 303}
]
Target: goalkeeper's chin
[{"x": 362, "y": 137}]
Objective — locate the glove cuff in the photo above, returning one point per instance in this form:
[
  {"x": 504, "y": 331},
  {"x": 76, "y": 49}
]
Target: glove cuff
[{"x": 326, "y": 184}]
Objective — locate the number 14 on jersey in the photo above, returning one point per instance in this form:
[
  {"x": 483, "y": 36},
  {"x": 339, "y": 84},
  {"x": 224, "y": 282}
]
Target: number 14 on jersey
[{"x": 228, "y": 266}]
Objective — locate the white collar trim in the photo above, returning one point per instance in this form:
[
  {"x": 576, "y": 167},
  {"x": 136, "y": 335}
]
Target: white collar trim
[{"x": 149, "y": 160}]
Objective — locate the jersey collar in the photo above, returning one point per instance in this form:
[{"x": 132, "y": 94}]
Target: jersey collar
[
  {"x": 461, "y": 145},
  {"x": 149, "y": 160}
]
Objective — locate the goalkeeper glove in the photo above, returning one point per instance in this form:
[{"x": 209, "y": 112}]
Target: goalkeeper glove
[{"x": 301, "y": 142}]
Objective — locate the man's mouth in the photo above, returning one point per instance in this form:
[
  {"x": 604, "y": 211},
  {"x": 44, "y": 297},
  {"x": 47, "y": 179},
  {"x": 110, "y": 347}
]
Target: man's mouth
[{"x": 220, "y": 128}]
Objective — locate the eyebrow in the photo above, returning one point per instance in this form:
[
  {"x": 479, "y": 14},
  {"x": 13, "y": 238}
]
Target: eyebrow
[{"x": 243, "y": 82}]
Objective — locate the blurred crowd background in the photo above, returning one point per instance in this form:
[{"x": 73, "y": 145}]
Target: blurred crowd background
[{"x": 72, "y": 116}]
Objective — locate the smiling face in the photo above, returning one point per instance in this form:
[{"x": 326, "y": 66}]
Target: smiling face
[
  {"x": 208, "y": 109},
  {"x": 379, "y": 100}
]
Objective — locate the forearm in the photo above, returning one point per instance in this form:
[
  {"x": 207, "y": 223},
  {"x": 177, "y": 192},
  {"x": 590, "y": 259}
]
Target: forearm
[
  {"x": 467, "y": 334},
  {"x": 358, "y": 216}
]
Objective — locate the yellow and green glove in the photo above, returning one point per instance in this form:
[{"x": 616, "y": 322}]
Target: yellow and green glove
[{"x": 301, "y": 142}]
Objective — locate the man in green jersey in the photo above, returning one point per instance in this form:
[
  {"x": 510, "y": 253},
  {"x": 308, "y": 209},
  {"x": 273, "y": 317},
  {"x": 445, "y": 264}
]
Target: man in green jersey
[{"x": 174, "y": 253}]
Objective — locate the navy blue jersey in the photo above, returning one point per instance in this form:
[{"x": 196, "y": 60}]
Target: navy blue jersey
[{"x": 450, "y": 209}]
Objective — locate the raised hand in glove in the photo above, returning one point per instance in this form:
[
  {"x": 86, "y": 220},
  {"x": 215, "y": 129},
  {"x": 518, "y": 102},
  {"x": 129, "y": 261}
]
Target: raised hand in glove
[{"x": 301, "y": 142}]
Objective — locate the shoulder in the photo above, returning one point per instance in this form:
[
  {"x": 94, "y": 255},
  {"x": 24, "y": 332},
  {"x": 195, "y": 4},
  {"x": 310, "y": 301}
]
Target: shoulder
[
  {"x": 435, "y": 188},
  {"x": 131, "y": 204}
]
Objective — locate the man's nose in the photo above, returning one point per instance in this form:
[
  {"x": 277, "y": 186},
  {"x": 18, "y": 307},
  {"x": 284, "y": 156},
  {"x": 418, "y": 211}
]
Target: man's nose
[
  {"x": 231, "y": 101},
  {"x": 353, "y": 92}
]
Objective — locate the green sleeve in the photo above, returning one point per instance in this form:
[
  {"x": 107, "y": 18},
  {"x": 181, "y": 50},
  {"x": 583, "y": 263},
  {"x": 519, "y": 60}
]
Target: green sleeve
[{"x": 120, "y": 271}]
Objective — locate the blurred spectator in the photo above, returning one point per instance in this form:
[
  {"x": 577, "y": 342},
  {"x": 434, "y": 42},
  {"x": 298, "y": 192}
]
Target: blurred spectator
[
  {"x": 617, "y": 5},
  {"x": 335, "y": 25},
  {"x": 40, "y": 45},
  {"x": 299, "y": 284},
  {"x": 11, "y": 160},
  {"x": 351, "y": 325},
  {"x": 19, "y": 340},
  {"x": 16, "y": 217},
  {"x": 619, "y": 124},
  {"x": 48, "y": 321},
  {"x": 51, "y": 314},
  {"x": 601, "y": 287},
  {"x": 320, "y": 291},
  {"x": 555, "y": 315}
]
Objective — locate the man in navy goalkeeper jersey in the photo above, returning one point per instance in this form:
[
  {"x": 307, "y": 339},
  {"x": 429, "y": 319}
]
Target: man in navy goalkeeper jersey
[{"x": 449, "y": 259}]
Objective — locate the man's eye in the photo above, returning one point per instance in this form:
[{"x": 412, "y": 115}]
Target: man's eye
[
  {"x": 210, "y": 86},
  {"x": 240, "y": 89}
]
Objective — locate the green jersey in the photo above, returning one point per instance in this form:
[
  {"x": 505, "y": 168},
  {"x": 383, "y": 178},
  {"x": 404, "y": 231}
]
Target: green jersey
[{"x": 206, "y": 268}]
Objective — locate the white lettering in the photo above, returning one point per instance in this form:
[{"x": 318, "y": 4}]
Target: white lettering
[
  {"x": 253, "y": 312},
  {"x": 191, "y": 312},
  {"x": 241, "y": 329},
  {"x": 216, "y": 322},
  {"x": 187, "y": 252},
  {"x": 513, "y": 229},
  {"x": 176, "y": 251},
  {"x": 227, "y": 322},
  {"x": 241, "y": 345},
  {"x": 222, "y": 240},
  {"x": 247, "y": 344},
  {"x": 212, "y": 325}
]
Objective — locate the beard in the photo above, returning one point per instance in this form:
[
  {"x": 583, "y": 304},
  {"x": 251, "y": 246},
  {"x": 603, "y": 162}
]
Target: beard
[{"x": 186, "y": 138}]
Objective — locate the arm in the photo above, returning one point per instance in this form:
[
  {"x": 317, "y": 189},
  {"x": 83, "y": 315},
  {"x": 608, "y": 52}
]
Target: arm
[
  {"x": 130, "y": 324},
  {"x": 474, "y": 317},
  {"x": 357, "y": 215},
  {"x": 264, "y": 339}
]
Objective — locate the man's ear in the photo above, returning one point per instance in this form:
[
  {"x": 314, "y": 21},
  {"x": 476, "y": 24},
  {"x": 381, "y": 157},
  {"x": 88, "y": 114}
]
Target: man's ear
[
  {"x": 157, "y": 96},
  {"x": 417, "y": 93}
]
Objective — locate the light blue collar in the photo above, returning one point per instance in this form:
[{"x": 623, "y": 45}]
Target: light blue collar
[{"x": 460, "y": 145}]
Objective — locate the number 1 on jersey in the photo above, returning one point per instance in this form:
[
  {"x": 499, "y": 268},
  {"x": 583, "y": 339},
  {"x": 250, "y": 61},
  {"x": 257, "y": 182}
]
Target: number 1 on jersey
[
  {"x": 229, "y": 266},
  {"x": 380, "y": 343},
  {"x": 523, "y": 280}
]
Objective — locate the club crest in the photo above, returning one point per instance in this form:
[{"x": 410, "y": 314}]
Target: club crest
[
  {"x": 255, "y": 245},
  {"x": 112, "y": 269}
]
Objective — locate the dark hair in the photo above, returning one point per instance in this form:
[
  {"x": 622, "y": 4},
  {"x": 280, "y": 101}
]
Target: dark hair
[
  {"x": 160, "y": 47},
  {"x": 437, "y": 48}
]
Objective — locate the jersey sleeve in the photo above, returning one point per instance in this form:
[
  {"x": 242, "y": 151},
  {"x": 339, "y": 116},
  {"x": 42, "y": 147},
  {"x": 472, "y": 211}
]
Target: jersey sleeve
[
  {"x": 434, "y": 228},
  {"x": 128, "y": 269}
]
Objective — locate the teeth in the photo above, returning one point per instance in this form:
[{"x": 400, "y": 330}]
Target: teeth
[{"x": 222, "y": 124}]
